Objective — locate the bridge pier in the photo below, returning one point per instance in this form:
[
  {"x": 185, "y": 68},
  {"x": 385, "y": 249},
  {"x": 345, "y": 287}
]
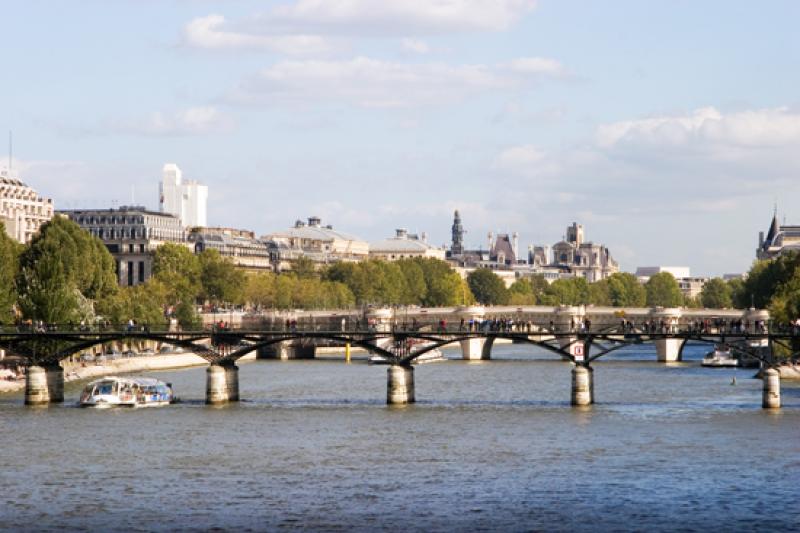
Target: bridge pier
[
  {"x": 286, "y": 350},
  {"x": 222, "y": 384},
  {"x": 771, "y": 396},
  {"x": 44, "y": 385},
  {"x": 400, "y": 385},
  {"x": 582, "y": 385},
  {"x": 472, "y": 349},
  {"x": 668, "y": 350}
]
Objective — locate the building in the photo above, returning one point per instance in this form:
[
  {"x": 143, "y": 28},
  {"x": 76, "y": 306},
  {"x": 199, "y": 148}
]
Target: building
[
  {"x": 240, "y": 246},
  {"x": 131, "y": 234},
  {"x": 644, "y": 273},
  {"x": 581, "y": 258},
  {"x": 22, "y": 210},
  {"x": 779, "y": 239},
  {"x": 691, "y": 286},
  {"x": 321, "y": 244},
  {"x": 186, "y": 199},
  {"x": 404, "y": 246}
]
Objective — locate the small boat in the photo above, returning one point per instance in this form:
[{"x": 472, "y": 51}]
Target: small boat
[
  {"x": 721, "y": 356},
  {"x": 115, "y": 391}
]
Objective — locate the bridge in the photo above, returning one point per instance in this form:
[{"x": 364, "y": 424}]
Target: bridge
[{"x": 576, "y": 334}]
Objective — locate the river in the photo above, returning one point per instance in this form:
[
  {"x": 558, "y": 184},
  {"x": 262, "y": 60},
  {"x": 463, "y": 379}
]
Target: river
[{"x": 490, "y": 445}]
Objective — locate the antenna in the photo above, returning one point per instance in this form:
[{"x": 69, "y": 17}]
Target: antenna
[{"x": 10, "y": 149}]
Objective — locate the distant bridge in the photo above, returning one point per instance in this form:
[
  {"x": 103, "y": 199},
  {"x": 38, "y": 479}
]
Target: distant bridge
[{"x": 576, "y": 334}]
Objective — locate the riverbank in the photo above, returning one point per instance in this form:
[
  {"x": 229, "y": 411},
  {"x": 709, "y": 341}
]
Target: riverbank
[{"x": 143, "y": 363}]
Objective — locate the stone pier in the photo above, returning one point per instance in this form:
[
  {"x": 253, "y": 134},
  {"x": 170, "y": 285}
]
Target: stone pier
[
  {"x": 286, "y": 350},
  {"x": 44, "y": 385},
  {"x": 582, "y": 385},
  {"x": 472, "y": 349},
  {"x": 400, "y": 385},
  {"x": 222, "y": 384},
  {"x": 668, "y": 350},
  {"x": 771, "y": 396}
]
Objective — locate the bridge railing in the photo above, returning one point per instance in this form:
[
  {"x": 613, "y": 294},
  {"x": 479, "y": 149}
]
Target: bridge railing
[{"x": 485, "y": 326}]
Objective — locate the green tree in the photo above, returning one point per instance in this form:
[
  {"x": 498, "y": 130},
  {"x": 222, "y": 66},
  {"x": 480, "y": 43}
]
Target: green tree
[
  {"x": 600, "y": 293},
  {"x": 260, "y": 290},
  {"x": 663, "y": 291},
  {"x": 62, "y": 272},
  {"x": 625, "y": 290},
  {"x": 415, "y": 281},
  {"x": 9, "y": 267},
  {"x": 179, "y": 271},
  {"x": 487, "y": 287},
  {"x": 527, "y": 291},
  {"x": 303, "y": 267},
  {"x": 569, "y": 291},
  {"x": 220, "y": 280},
  {"x": 716, "y": 294}
]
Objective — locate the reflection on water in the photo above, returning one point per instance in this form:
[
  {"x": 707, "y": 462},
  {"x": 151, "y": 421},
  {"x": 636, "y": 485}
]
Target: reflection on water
[{"x": 490, "y": 445}]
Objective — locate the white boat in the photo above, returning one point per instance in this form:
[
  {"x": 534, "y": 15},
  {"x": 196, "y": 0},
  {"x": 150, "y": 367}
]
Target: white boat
[
  {"x": 115, "y": 391},
  {"x": 431, "y": 356},
  {"x": 720, "y": 356}
]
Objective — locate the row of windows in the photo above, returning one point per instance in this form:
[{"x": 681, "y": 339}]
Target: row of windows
[{"x": 134, "y": 233}]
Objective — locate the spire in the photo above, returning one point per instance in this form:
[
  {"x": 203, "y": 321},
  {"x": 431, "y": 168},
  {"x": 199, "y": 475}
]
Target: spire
[
  {"x": 457, "y": 247},
  {"x": 774, "y": 228}
]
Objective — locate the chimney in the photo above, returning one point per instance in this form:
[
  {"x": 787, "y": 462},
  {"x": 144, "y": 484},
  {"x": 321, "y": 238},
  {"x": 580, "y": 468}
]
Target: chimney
[{"x": 314, "y": 222}]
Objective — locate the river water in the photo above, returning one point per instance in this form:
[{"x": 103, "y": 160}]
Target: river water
[{"x": 490, "y": 445}]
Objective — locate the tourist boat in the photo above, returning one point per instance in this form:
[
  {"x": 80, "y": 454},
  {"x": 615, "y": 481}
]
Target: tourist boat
[
  {"x": 115, "y": 391},
  {"x": 720, "y": 356}
]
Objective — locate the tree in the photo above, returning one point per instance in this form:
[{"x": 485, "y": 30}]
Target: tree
[
  {"x": 716, "y": 294},
  {"x": 569, "y": 291},
  {"x": 179, "y": 271},
  {"x": 304, "y": 267},
  {"x": 600, "y": 293},
  {"x": 220, "y": 280},
  {"x": 9, "y": 266},
  {"x": 487, "y": 287},
  {"x": 62, "y": 272},
  {"x": 527, "y": 291},
  {"x": 663, "y": 291},
  {"x": 260, "y": 290},
  {"x": 625, "y": 290},
  {"x": 415, "y": 281}
]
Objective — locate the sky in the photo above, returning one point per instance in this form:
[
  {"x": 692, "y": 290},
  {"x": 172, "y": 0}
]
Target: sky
[{"x": 669, "y": 129}]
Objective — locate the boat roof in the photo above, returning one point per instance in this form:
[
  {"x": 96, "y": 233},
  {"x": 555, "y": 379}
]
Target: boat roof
[{"x": 145, "y": 382}]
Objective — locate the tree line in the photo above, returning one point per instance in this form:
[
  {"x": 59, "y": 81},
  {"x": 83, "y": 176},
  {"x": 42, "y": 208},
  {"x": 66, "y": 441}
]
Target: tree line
[{"x": 66, "y": 275}]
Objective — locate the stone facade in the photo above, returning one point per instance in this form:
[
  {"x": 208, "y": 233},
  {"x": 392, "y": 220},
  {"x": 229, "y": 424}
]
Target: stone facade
[
  {"x": 131, "y": 234},
  {"x": 22, "y": 210},
  {"x": 240, "y": 246}
]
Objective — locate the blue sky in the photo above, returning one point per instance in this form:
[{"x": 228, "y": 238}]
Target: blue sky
[{"x": 667, "y": 128}]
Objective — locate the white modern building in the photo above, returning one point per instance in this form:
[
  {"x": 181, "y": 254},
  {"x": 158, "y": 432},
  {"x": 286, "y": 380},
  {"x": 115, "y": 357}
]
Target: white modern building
[
  {"x": 186, "y": 199},
  {"x": 22, "y": 210}
]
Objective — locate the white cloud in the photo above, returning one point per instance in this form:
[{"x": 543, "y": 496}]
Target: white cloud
[
  {"x": 191, "y": 121},
  {"x": 415, "y": 45},
  {"x": 706, "y": 128},
  {"x": 211, "y": 32},
  {"x": 401, "y": 16},
  {"x": 537, "y": 66},
  {"x": 375, "y": 83}
]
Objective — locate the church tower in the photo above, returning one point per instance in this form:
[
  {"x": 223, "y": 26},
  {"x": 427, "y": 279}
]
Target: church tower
[{"x": 458, "y": 236}]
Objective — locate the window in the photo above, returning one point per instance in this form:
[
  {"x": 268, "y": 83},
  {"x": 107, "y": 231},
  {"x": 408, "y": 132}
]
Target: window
[
  {"x": 141, "y": 271},
  {"x": 130, "y": 273}
]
